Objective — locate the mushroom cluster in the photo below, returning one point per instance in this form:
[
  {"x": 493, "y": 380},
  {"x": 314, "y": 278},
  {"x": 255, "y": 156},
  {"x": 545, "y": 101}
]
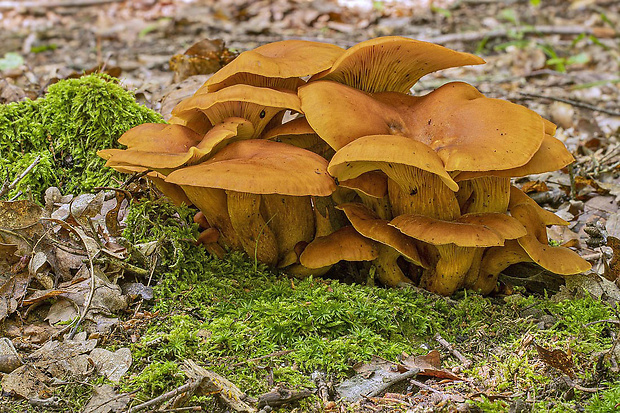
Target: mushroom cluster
[{"x": 303, "y": 154}]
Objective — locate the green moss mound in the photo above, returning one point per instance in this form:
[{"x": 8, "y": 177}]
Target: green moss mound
[{"x": 67, "y": 127}]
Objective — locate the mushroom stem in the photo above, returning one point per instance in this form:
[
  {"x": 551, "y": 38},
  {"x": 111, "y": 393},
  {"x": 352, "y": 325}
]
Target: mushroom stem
[
  {"x": 496, "y": 260},
  {"x": 415, "y": 191},
  {"x": 258, "y": 240},
  {"x": 449, "y": 274},
  {"x": 380, "y": 206},
  {"x": 388, "y": 271},
  {"x": 290, "y": 218},
  {"x": 212, "y": 202},
  {"x": 484, "y": 194}
]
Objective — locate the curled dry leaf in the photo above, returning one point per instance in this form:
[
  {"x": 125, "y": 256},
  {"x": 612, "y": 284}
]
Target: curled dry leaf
[
  {"x": 429, "y": 365},
  {"x": 557, "y": 359}
]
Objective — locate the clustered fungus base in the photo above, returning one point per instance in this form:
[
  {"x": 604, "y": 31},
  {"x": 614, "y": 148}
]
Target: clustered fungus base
[{"x": 419, "y": 186}]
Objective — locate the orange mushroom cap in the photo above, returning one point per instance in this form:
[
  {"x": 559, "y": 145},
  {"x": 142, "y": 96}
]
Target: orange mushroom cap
[
  {"x": 175, "y": 145},
  {"x": 468, "y": 131},
  {"x": 559, "y": 260},
  {"x": 469, "y": 230},
  {"x": 367, "y": 223},
  {"x": 370, "y": 153},
  {"x": 392, "y": 63},
  {"x": 259, "y": 166},
  {"x": 277, "y": 64},
  {"x": 256, "y": 104},
  {"x": 345, "y": 244},
  {"x": 551, "y": 156}
]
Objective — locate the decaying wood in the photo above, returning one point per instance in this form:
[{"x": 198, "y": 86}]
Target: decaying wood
[
  {"x": 192, "y": 384},
  {"x": 209, "y": 382},
  {"x": 407, "y": 375}
]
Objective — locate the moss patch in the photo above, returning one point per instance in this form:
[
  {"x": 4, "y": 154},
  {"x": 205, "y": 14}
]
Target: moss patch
[{"x": 75, "y": 119}]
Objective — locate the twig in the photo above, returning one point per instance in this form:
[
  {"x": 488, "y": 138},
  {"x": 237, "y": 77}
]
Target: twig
[
  {"x": 166, "y": 396},
  {"x": 502, "y": 33},
  {"x": 122, "y": 264},
  {"x": 132, "y": 178},
  {"x": 10, "y": 5},
  {"x": 581, "y": 388},
  {"x": 602, "y": 321},
  {"x": 424, "y": 386},
  {"x": 575, "y": 103},
  {"x": 113, "y": 399},
  {"x": 6, "y": 188},
  {"x": 464, "y": 360},
  {"x": 407, "y": 375},
  {"x": 183, "y": 409}
]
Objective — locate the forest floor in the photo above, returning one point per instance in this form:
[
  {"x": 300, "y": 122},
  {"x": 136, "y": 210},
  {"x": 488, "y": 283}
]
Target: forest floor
[{"x": 543, "y": 344}]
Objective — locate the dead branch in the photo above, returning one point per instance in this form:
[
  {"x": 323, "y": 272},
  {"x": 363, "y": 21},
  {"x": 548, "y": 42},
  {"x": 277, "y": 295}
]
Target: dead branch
[
  {"x": 575, "y": 103},
  {"x": 504, "y": 33},
  {"x": 424, "y": 386},
  {"x": 10, "y": 5},
  {"x": 6, "y": 187},
  {"x": 464, "y": 360},
  {"x": 406, "y": 375},
  {"x": 190, "y": 385}
]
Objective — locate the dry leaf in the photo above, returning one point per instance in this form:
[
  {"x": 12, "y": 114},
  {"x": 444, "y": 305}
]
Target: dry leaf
[
  {"x": 429, "y": 365},
  {"x": 557, "y": 359}
]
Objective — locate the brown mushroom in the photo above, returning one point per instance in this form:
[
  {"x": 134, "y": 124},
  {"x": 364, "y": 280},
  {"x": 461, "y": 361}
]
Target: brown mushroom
[
  {"x": 392, "y": 243},
  {"x": 449, "y": 120},
  {"x": 277, "y": 65},
  {"x": 451, "y": 245},
  {"x": 392, "y": 63},
  {"x": 257, "y": 104},
  {"x": 418, "y": 182},
  {"x": 345, "y": 244},
  {"x": 268, "y": 186}
]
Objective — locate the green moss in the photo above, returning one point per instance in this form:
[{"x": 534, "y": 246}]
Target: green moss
[
  {"x": 606, "y": 401},
  {"x": 67, "y": 127}
]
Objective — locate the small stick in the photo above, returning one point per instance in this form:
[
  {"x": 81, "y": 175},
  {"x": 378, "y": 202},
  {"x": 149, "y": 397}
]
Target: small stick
[
  {"x": 407, "y": 375},
  {"x": 576, "y": 103},
  {"x": 166, "y": 396},
  {"x": 424, "y": 386},
  {"x": 9, "y": 5},
  {"x": 183, "y": 409},
  {"x": 122, "y": 264},
  {"x": 581, "y": 388},
  {"x": 464, "y": 360},
  {"x": 6, "y": 188}
]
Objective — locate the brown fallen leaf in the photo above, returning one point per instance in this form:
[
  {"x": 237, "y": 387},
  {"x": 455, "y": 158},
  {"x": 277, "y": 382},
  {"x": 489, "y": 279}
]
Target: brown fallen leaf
[
  {"x": 12, "y": 292},
  {"x": 429, "y": 365},
  {"x": 28, "y": 382},
  {"x": 106, "y": 400},
  {"x": 557, "y": 359},
  {"x": 612, "y": 269},
  {"x": 204, "y": 57}
]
